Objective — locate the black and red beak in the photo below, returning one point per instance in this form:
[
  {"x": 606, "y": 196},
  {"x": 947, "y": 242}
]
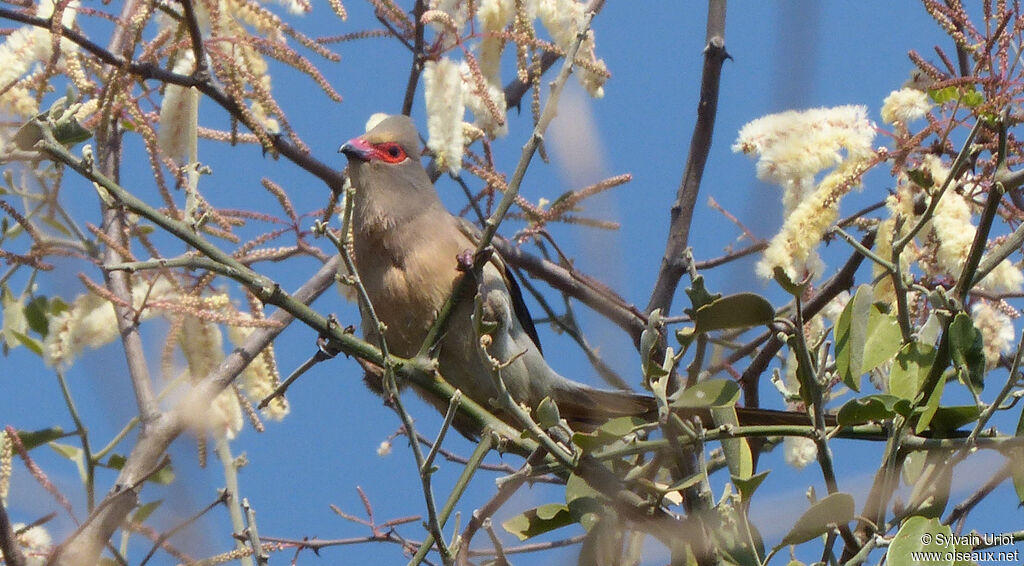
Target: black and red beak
[{"x": 357, "y": 148}]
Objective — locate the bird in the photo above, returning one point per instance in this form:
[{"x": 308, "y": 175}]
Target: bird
[{"x": 406, "y": 249}]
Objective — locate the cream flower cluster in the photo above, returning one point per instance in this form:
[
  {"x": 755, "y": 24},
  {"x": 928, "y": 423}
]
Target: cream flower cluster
[
  {"x": 443, "y": 88},
  {"x": 26, "y": 48},
  {"x": 35, "y": 543},
  {"x": 996, "y": 329},
  {"x": 179, "y": 109},
  {"x": 259, "y": 379},
  {"x": 905, "y": 105},
  {"x": 563, "y": 20},
  {"x": 792, "y": 147},
  {"x": 950, "y": 232},
  {"x": 451, "y": 88},
  {"x": 179, "y": 116},
  {"x": 91, "y": 322},
  {"x": 954, "y": 233}
]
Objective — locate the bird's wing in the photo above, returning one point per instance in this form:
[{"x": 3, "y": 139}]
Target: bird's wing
[{"x": 472, "y": 232}]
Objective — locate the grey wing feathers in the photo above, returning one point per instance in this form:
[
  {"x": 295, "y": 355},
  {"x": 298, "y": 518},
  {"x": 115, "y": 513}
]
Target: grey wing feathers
[{"x": 515, "y": 293}]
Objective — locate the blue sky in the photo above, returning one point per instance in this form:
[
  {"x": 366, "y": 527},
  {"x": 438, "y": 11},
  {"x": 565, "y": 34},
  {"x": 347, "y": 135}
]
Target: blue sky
[{"x": 788, "y": 55}]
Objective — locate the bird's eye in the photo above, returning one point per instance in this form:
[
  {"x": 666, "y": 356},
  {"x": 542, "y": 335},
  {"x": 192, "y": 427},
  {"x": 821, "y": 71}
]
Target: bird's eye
[{"x": 391, "y": 152}]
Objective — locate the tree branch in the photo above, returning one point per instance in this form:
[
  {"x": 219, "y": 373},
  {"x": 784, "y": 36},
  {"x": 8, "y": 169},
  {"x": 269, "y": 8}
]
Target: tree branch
[{"x": 673, "y": 264}]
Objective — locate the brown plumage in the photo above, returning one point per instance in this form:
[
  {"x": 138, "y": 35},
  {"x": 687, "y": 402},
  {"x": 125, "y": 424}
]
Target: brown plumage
[{"x": 406, "y": 248}]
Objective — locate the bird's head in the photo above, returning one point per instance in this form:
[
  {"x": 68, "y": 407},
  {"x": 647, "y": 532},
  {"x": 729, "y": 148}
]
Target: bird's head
[
  {"x": 393, "y": 141},
  {"x": 384, "y": 166}
]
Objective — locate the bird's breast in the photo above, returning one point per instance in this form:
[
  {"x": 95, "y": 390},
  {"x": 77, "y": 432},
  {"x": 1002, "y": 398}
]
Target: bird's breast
[{"x": 408, "y": 283}]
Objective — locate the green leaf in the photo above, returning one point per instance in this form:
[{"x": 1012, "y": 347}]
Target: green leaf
[
  {"x": 36, "y": 438},
  {"x": 948, "y": 419},
  {"x": 943, "y": 95},
  {"x": 930, "y": 407},
  {"x": 699, "y": 296},
  {"x": 547, "y": 414},
  {"x": 53, "y": 223},
  {"x": 28, "y": 135},
  {"x": 145, "y": 510},
  {"x": 608, "y": 433},
  {"x": 649, "y": 340},
  {"x": 14, "y": 322},
  {"x": 931, "y": 491},
  {"x": 921, "y": 177},
  {"x": 57, "y": 306},
  {"x": 883, "y": 338},
  {"x": 163, "y": 477},
  {"x": 73, "y": 453},
  {"x": 910, "y": 369},
  {"x": 586, "y": 505},
  {"x": 737, "y": 452},
  {"x": 708, "y": 393},
  {"x": 851, "y": 336},
  {"x": 31, "y": 343},
  {"x": 973, "y": 99},
  {"x": 35, "y": 314},
  {"x": 741, "y": 310},
  {"x": 918, "y": 534},
  {"x": 966, "y": 348},
  {"x": 931, "y": 330},
  {"x": 538, "y": 521},
  {"x": 687, "y": 483},
  {"x": 69, "y": 132},
  {"x": 747, "y": 486},
  {"x": 872, "y": 408},
  {"x": 836, "y": 509},
  {"x": 685, "y": 336},
  {"x": 787, "y": 284}
]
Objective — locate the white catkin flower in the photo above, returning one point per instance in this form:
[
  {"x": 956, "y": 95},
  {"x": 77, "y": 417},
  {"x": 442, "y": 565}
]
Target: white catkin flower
[
  {"x": 375, "y": 119},
  {"x": 493, "y": 16},
  {"x": 36, "y": 544},
  {"x": 91, "y": 321},
  {"x": 384, "y": 448},
  {"x": 954, "y": 233},
  {"x": 202, "y": 344},
  {"x": 792, "y": 147},
  {"x": 476, "y": 104},
  {"x": 226, "y": 417},
  {"x": 905, "y": 105},
  {"x": 563, "y": 20},
  {"x": 458, "y": 10},
  {"x": 36, "y": 538},
  {"x": 996, "y": 329},
  {"x": 794, "y": 248},
  {"x": 258, "y": 379},
  {"x": 179, "y": 116},
  {"x": 795, "y": 145},
  {"x": 25, "y": 48},
  {"x": 442, "y": 88},
  {"x": 799, "y": 451},
  {"x": 221, "y": 416}
]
